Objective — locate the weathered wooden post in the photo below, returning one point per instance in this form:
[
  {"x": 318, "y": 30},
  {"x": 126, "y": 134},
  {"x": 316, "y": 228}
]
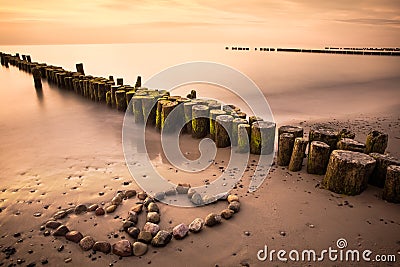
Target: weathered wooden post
[
  {"x": 378, "y": 176},
  {"x": 160, "y": 103},
  {"x": 299, "y": 150},
  {"x": 348, "y": 172},
  {"x": 137, "y": 108},
  {"x": 318, "y": 157},
  {"x": 351, "y": 145},
  {"x": 111, "y": 78},
  {"x": 138, "y": 82},
  {"x": 101, "y": 96},
  {"x": 129, "y": 95},
  {"x": 214, "y": 106},
  {"x": 79, "y": 68},
  {"x": 285, "y": 148},
  {"x": 243, "y": 138},
  {"x": 165, "y": 113},
  {"x": 262, "y": 137},
  {"x": 192, "y": 94},
  {"x": 223, "y": 130},
  {"x": 295, "y": 130},
  {"x": 187, "y": 109},
  {"x": 240, "y": 115},
  {"x": 120, "y": 81},
  {"x": 253, "y": 119},
  {"x": 37, "y": 78},
  {"x": 235, "y": 125},
  {"x": 376, "y": 142},
  {"x": 391, "y": 190},
  {"x": 120, "y": 98},
  {"x": 345, "y": 133},
  {"x": 28, "y": 58},
  {"x": 149, "y": 106},
  {"x": 200, "y": 121},
  {"x": 213, "y": 116},
  {"x": 114, "y": 89},
  {"x": 328, "y": 136}
]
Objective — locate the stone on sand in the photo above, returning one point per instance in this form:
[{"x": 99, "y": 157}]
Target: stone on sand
[
  {"x": 61, "y": 231},
  {"x": 139, "y": 248},
  {"x": 151, "y": 227},
  {"x": 153, "y": 207},
  {"x": 87, "y": 243},
  {"x": 161, "y": 239},
  {"x": 153, "y": 217},
  {"x": 212, "y": 219},
  {"x": 53, "y": 224},
  {"x": 180, "y": 231},
  {"x": 232, "y": 198},
  {"x": 122, "y": 248},
  {"x": 102, "y": 246},
  {"x": 196, "y": 225},
  {"x": 235, "y": 206},
  {"x": 74, "y": 236},
  {"x": 227, "y": 214}
]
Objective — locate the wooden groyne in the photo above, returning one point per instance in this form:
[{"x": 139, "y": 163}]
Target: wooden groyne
[{"x": 370, "y": 51}]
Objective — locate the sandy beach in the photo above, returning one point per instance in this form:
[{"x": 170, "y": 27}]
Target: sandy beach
[{"x": 69, "y": 152}]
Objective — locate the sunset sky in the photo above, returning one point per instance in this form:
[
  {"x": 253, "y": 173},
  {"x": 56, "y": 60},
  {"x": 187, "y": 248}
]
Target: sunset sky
[{"x": 312, "y": 22}]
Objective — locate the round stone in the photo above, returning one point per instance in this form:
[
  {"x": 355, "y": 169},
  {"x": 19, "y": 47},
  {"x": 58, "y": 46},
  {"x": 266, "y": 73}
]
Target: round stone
[
  {"x": 180, "y": 231},
  {"x": 232, "y": 198},
  {"x": 99, "y": 211},
  {"x": 227, "y": 214},
  {"x": 122, "y": 248},
  {"x": 212, "y": 219},
  {"x": 153, "y": 217},
  {"x": 102, "y": 246},
  {"x": 235, "y": 206},
  {"x": 139, "y": 248},
  {"x": 86, "y": 243},
  {"x": 196, "y": 225},
  {"x": 151, "y": 227},
  {"x": 74, "y": 236}
]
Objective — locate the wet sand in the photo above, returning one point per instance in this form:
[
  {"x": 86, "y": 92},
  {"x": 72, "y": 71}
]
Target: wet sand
[{"x": 52, "y": 166}]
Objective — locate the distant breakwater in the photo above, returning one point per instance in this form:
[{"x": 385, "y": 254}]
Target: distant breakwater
[{"x": 370, "y": 51}]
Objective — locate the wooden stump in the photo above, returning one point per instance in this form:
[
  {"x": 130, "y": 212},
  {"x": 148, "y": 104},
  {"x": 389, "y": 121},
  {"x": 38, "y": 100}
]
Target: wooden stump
[
  {"x": 180, "y": 110},
  {"x": 212, "y": 106},
  {"x": 37, "y": 80},
  {"x": 200, "y": 121},
  {"x": 165, "y": 112},
  {"x": 138, "y": 82},
  {"x": 328, "y": 136},
  {"x": 114, "y": 88},
  {"x": 187, "y": 108},
  {"x": 240, "y": 115},
  {"x": 285, "y": 148},
  {"x": 235, "y": 124},
  {"x": 262, "y": 137},
  {"x": 213, "y": 116},
  {"x": 120, "y": 98},
  {"x": 223, "y": 130},
  {"x": 318, "y": 157},
  {"x": 79, "y": 68},
  {"x": 192, "y": 94},
  {"x": 243, "y": 138},
  {"x": 120, "y": 81},
  {"x": 351, "y": 145},
  {"x": 160, "y": 103},
  {"x": 129, "y": 96},
  {"x": 101, "y": 96},
  {"x": 345, "y": 133},
  {"x": 391, "y": 191},
  {"x": 348, "y": 172},
  {"x": 137, "y": 108},
  {"x": 108, "y": 98},
  {"x": 149, "y": 106},
  {"x": 295, "y": 130},
  {"x": 253, "y": 119},
  {"x": 378, "y": 176},
  {"x": 376, "y": 142},
  {"x": 299, "y": 150}
]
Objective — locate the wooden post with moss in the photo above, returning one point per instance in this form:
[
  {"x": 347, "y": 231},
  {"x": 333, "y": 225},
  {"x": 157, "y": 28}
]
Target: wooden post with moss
[
  {"x": 129, "y": 96},
  {"x": 137, "y": 108},
  {"x": 318, "y": 157},
  {"x": 120, "y": 98},
  {"x": 253, "y": 119},
  {"x": 243, "y": 138},
  {"x": 285, "y": 148},
  {"x": 299, "y": 150},
  {"x": 138, "y": 82},
  {"x": 79, "y": 68},
  {"x": 348, "y": 172},
  {"x": 223, "y": 130},
  {"x": 378, "y": 176},
  {"x": 120, "y": 81},
  {"x": 37, "y": 80},
  {"x": 326, "y": 135},
  {"x": 213, "y": 116},
  {"x": 160, "y": 103},
  {"x": 262, "y": 137},
  {"x": 149, "y": 106},
  {"x": 376, "y": 142},
  {"x": 114, "y": 89},
  {"x": 101, "y": 94},
  {"x": 187, "y": 108},
  {"x": 200, "y": 121},
  {"x": 295, "y": 130},
  {"x": 166, "y": 110},
  {"x": 351, "y": 145},
  {"x": 235, "y": 125},
  {"x": 391, "y": 190}
]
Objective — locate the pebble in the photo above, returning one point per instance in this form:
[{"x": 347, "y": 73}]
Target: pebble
[
  {"x": 74, "y": 236},
  {"x": 145, "y": 237},
  {"x": 80, "y": 209},
  {"x": 117, "y": 200},
  {"x": 139, "y": 248},
  {"x": 92, "y": 207},
  {"x": 17, "y": 234},
  {"x": 111, "y": 208},
  {"x": 130, "y": 193},
  {"x": 153, "y": 217},
  {"x": 227, "y": 214},
  {"x": 87, "y": 243},
  {"x": 232, "y": 198},
  {"x": 142, "y": 195},
  {"x": 170, "y": 192},
  {"x": 101, "y": 193},
  {"x": 151, "y": 227},
  {"x": 191, "y": 192},
  {"x": 122, "y": 248},
  {"x": 60, "y": 214},
  {"x": 46, "y": 233},
  {"x": 282, "y": 233},
  {"x": 133, "y": 232},
  {"x": 37, "y": 214},
  {"x": 196, "y": 199},
  {"x": 138, "y": 208},
  {"x": 99, "y": 211},
  {"x": 133, "y": 217},
  {"x": 207, "y": 199},
  {"x": 160, "y": 195},
  {"x": 161, "y": 239},
  {"x": 147, "y": 201},
  {"x": 235, "y": 206},
  {"x": 180, "y": 231},
  {"x": 128, "y": 224},
  {"x": 246, "y": 233},
  {"x": 60, "y": 248},
  {"x": 67, "y": 260},
  {"x": 212, "y": 219},
  {"x": 182, "y": 189},
  {"x": 153, "y": 207},
  {"x": 102, "y": 246},
  {"x": 61, "y": 231},
  {"x": 196, "y": 225}
]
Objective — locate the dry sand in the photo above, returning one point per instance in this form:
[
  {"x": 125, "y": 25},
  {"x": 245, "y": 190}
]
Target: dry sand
[{"x": 46, "y": 172}]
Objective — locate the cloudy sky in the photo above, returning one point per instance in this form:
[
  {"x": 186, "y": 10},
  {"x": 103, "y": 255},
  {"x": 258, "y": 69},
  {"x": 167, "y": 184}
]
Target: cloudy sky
[{"x": 310, "y": 22}]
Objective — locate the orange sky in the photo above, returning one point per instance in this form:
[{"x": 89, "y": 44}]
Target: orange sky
[{"x": 312, "y": 22}]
